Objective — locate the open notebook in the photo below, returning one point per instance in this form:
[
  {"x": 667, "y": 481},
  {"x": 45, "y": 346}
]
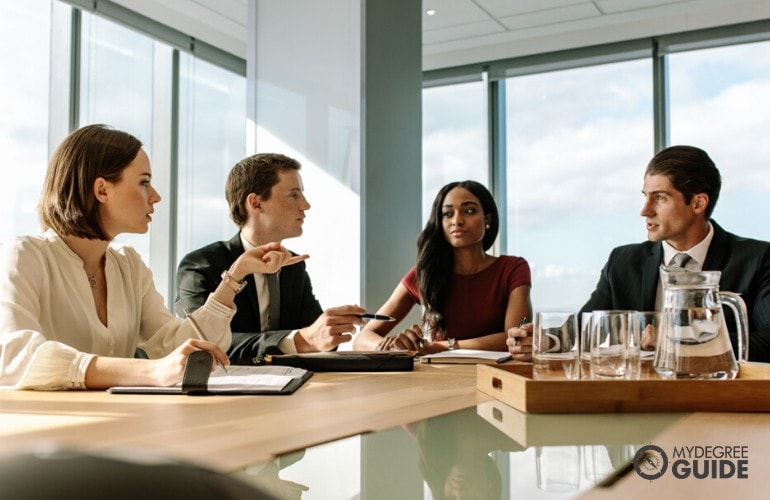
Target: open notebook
[{"x": 198, "y": 379}]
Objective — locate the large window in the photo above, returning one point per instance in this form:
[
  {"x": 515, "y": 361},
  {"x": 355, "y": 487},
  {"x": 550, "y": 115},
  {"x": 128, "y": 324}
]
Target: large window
[
  {"x": 720, "y": 101},
  {"x": 125, "y": 80},
  {"x": 116, "y": 82},
  {"x": 25, "y": 36},
  {"x": 577, "y": 142},
  {"x": 212, "y": 139},
  {"x": 454, "y": 138}
]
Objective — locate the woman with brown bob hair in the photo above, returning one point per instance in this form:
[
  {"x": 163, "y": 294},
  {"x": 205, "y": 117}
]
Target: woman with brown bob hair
[{"x": 75, "y": 305}]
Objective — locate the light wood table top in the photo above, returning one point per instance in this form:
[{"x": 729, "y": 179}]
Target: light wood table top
[{"x": 227, "y": 433}]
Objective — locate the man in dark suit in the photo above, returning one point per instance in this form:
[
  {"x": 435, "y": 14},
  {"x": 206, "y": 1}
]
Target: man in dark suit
[
  {"x": 275, "y": 314},
  {"x": 681, "y": 188}
]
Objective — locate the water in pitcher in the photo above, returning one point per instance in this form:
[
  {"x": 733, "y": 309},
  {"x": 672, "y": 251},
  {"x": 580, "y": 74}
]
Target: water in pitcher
[{"x": 695, "y": 345}]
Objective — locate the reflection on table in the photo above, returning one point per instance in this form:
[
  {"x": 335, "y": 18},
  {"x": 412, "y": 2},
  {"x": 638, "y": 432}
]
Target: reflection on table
[{"x": 490, "y": 451}]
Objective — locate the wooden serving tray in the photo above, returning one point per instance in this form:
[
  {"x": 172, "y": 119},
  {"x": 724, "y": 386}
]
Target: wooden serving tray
[{"x": 513, "y": 385}]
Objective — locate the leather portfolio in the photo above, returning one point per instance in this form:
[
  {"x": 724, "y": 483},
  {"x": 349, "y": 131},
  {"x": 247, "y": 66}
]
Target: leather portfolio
[{"x": 344, "y": 361}]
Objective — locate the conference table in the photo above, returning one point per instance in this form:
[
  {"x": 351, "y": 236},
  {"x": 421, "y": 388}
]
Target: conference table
[{"x": 419, "y": 434}]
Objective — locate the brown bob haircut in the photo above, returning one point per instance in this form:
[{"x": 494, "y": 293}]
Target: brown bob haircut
[
  {"x": 67, "y": 203},
  {"x": 254, "y": 174}
]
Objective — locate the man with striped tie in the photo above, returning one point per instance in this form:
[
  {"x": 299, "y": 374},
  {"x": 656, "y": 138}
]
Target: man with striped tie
[
  {"x": 277, "y": 313},
  {"x": 681, "y": 188}
]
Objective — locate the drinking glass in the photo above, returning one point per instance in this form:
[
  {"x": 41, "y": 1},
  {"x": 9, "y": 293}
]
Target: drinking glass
[
  {"x": 649, "y": 326},
  {"x": 585, "y": 345},
  {"x": 555, "y": 346},
  {"x": 612, "y": 333}
]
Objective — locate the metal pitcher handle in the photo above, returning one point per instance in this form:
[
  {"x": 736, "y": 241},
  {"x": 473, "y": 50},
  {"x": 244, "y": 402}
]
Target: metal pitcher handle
[{"x": 736, "y": 303}]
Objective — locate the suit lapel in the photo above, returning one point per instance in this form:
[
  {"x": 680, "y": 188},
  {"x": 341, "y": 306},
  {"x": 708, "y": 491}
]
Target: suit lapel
[
  {"x": 650, "y": 277},
  {"x": 717, "y": 249}
]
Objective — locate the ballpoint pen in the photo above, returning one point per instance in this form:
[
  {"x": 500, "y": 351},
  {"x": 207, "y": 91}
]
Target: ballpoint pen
[
  {"x": 521, "y": 323},
  {"x": 379, "y": 317},
  {"x": 202, "y": 335}
]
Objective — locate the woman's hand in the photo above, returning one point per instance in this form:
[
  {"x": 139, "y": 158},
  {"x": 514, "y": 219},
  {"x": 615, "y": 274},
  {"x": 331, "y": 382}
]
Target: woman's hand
[
  {"x": 265, "y": 259},
  {"x": 169, "y": 370},
  {"x": 519, "y": 342},
  {"x": 410, "y": 339}
]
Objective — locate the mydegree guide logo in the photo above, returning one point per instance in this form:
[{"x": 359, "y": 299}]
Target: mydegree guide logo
[{"x": 697, "y": 462}]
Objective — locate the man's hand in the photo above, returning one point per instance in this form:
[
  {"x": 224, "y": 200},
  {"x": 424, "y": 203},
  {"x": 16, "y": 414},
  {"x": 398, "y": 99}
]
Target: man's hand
[{"x": 334, "y": 327}]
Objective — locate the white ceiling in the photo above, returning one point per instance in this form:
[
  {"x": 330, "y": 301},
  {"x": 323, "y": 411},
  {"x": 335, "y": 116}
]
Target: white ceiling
[{"x": 472, "y": 31}]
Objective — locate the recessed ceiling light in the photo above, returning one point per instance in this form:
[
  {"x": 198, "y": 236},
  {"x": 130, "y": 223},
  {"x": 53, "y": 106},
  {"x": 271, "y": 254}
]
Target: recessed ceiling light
[{"x": 431, "y": 12}]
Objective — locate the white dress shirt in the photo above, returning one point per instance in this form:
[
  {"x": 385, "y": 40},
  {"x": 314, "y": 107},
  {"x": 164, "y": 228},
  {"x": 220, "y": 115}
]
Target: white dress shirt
[
  {"x": 697, "y": 258},
  {"x": 50, "y": 330}
]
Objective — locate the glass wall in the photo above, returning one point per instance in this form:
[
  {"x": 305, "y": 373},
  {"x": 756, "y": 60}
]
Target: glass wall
[
  {"x": 578, "y": 141},
  {"x": 212, "y": 138},
  {"x": 720, "y": 102},
  {"x": 308, "y": 107},
  {"x": 454, "y": 143},
  {"x": 24, "y": 81}
]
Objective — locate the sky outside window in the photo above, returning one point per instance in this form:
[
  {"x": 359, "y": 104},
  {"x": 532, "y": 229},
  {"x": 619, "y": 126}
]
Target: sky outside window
[{"x": 578, "y": 141}]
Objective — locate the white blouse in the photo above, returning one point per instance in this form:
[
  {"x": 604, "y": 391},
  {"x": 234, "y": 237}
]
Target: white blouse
[{"x": 49, "y": 328}]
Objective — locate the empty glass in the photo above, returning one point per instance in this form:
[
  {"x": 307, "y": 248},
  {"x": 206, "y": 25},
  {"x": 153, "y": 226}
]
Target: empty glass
[
  {"x": 585, "y": 345},
  {"x": 614, "y": 344},
  {"x": 555, "y": 346}
]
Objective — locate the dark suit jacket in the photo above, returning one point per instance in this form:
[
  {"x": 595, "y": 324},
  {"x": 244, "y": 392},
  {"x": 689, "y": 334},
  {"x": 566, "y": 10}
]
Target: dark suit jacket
[
  {"x": 629, "y": 280},
  {"x": 199, "y": 274}
]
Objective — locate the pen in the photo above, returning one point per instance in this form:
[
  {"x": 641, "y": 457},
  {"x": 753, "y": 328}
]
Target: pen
[
  {"x": 379, "y": 317},
  {"x": 523, "y": 321},
  {"x": 201, "y": 335}
]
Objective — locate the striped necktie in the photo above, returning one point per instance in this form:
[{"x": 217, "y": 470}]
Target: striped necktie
[
  {"x": 680, "y": 260},
  {"x": 274, "y": 311}
]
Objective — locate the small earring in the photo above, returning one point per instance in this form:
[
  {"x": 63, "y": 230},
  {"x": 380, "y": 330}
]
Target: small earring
[{"x": 487, "y": 226}]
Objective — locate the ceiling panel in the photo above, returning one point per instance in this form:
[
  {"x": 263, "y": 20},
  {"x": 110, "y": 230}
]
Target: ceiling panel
[
  {"x": 551, "y": 16},
  {"x": 505, "y": 8},
  {"x": 235, "y": 10},
  {"x": 615, "y": 6},
  {"x": 451, "y": 13},
  {"x": 460, "y": 32},
  {"x": 469, "y": 31}
]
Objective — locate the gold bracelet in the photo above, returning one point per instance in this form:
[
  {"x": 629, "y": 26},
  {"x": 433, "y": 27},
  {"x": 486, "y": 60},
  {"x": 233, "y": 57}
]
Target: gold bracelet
[{"x": 233, "y": 283}]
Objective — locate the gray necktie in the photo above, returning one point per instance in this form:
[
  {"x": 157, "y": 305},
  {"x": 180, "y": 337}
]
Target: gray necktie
[
  {"x": 274, "y": 311},
  {"x": 680, "y": 260}
]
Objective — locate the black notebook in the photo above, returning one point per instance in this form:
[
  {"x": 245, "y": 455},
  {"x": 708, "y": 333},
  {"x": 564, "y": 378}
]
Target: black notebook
[
  {"x": 198, "y": 379},
  {"x": 344, "y": 361}
]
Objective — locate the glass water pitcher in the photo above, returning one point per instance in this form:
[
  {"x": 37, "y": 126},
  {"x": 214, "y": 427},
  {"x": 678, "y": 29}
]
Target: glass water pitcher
[{"x": 693, "y": 341}]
